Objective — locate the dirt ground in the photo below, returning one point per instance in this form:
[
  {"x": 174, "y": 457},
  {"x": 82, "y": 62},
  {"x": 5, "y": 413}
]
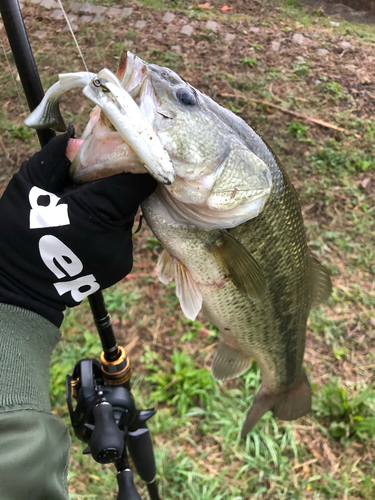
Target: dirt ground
[{"x": 280, "y": 66}]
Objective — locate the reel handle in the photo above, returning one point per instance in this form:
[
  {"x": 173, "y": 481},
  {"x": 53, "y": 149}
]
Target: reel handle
[{"x": 106, "y": 441}]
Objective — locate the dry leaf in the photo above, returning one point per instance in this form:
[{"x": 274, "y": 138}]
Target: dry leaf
[
  {"x": 364, "y": 183},
  {"x": 363, "y": 76},
  {"x": 201, "y": 6}
]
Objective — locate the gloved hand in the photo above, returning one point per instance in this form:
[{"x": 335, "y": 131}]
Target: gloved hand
[{"x": 59, "y": 244}]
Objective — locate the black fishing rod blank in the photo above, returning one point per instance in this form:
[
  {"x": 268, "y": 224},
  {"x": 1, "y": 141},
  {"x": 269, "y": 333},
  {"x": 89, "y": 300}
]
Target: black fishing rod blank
[{"x": 105, "y": 415}]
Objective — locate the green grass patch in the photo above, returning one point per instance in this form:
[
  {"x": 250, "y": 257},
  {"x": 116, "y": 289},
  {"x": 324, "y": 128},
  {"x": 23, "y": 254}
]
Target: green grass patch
[
  {"x": 167, "y": 58},
  {"x": 349, "y": 415},
  {"x": 334, "y": 161},
  {"x": 184, "y": 386}
]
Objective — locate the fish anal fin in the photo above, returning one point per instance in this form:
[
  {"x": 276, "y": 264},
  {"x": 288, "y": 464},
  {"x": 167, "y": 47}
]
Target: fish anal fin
[
  {"x": 229, "y": 362},
  {"x": 240, "y": 265},
  {"x": 321, "y": 283},
  {"x": 290, "y": 404},
  {"x": 165, "y": 268},
  {"x": 187, "y": 291}
]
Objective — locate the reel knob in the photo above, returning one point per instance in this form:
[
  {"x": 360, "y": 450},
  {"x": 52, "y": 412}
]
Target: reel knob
[{"x": 106, "y": 441}]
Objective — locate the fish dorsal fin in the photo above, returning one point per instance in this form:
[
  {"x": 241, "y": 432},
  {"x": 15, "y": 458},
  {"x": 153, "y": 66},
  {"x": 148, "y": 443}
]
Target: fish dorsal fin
[
  {"x": 240, "y": 265},
  {"x": 165, "y": 268},
  {"x": 187, "y": 291},
  {"x": 229, "y": 362},
  {"x": 321, "y": 283}
]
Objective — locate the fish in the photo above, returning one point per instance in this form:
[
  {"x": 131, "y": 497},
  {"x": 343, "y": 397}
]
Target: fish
[{"x": 232, "y": 231}]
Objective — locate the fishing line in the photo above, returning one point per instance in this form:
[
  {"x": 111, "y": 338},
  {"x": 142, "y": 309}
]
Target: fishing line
[
  {"x": 73, "y": 35},
  {"x": 12, "y": 75}
]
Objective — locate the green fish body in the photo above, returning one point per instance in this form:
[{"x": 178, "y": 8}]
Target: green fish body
[{"x": 270, "y": 329}]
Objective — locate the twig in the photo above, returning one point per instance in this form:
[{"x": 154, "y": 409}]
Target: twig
[
  {"x": 131, "y": 344},
  {"x": 156, "y": 331},
  {"x": 322, "y": 123},
  {"x": 309, "y": 462}
]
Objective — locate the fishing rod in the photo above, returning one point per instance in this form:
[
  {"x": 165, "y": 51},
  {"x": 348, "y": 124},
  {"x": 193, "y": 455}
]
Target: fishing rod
[{"x": 105, "y": 415}]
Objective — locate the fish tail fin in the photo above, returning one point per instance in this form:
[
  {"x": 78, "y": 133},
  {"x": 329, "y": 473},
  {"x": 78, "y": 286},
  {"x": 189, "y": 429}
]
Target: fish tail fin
[
  {"x": 290, "y": 404},
  {"x": 294, "y": 402},
  {"x": 47, "y": 114}
]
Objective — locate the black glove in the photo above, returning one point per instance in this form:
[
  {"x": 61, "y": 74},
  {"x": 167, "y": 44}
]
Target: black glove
[{"x": 58, "y": 245}]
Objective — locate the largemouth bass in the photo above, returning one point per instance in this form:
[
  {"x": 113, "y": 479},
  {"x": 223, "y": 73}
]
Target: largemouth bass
[{"x": 232, "y": 230}]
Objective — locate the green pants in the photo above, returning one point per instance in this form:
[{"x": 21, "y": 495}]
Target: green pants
[
  {"x": 34, "y": 444},
  {"x": 34, "y": 456}
]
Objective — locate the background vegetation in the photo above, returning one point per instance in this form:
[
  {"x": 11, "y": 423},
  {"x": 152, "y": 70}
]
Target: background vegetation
[{"x": 264, "y": 73}]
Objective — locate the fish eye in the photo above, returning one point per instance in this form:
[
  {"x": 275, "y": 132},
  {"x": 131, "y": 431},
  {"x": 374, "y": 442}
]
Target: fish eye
[{"x": 186, "y": 96}]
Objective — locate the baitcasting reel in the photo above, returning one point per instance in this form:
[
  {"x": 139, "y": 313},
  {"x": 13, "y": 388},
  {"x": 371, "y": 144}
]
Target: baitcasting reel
[{"x": 106, "y": 418}]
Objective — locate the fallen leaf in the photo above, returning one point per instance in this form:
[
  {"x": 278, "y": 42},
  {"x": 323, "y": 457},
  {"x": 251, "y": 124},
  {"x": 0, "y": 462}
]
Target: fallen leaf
[
  {"x": 363, "y": 76},
  {"x": 365, "y": 182},
  {"x": 225, "y": 8},
  {"x": 201, "y": 6}
]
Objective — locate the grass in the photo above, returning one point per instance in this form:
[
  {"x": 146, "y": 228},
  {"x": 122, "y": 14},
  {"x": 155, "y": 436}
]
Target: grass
[
  {"x": 184, "y": 387},
  {"x": 167, "y": 58},
  {"x": 349, "y": 416}
]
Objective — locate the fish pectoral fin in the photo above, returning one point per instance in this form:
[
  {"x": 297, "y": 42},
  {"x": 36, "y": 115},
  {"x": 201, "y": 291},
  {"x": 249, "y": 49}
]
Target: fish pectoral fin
[
  {"x": 292, "y": 403},
  {"x": 321, "y": 283},
  {"x": 229, "y": 362},
  {"x": 165, "y": 268},
  {"x": 187, "y": 291},
  {"x": 240, "y": 265}
]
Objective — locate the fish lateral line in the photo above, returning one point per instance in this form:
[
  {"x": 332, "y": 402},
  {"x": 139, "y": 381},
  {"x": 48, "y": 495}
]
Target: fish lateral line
[{"x": 217, "y": 284}]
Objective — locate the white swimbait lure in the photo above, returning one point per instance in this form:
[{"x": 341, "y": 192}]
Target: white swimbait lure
[
  {"x": 134, "y": 128},
  {"x": 47, "y": 113},
  {"x": 106, "y": 91}
]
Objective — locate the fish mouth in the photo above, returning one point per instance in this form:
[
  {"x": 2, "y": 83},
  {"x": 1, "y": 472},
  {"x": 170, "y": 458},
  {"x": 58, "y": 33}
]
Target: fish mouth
[
  {"x": 101, "y": 151},
  {"x": 196, "y": 192}
]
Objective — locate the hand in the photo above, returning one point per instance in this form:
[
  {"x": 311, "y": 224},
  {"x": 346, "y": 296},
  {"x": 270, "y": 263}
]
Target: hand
[{"x": 60, "y": 244}]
